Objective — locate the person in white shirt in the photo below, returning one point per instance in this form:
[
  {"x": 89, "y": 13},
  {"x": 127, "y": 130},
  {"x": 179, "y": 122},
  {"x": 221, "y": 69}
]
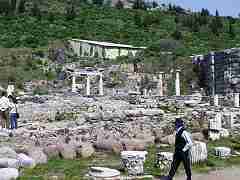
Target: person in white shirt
[
  {"x": 13, "y": 112},
  {"x": 4, "y": 110},
  {"x": 183, "y": 143}
]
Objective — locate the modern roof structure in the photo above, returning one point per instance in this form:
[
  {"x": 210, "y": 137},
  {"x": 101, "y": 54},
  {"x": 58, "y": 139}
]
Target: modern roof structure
[{"x": 107, "y": 44}]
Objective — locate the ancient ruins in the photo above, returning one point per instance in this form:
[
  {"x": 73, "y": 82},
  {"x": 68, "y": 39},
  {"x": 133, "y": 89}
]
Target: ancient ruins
[{"x": 89, "y": 115}]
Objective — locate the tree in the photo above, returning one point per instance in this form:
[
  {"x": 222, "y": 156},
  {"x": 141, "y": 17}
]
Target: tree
[
  {"x": 154, "y": 4},
  {"x": 139, "y": 4},
  {"x": 231, "y": 30},
  {"x": 98, "y": 2},
  {"x": 36, "y": 9},
  {"x": 70, "y": 10},
  {"x": 177, "y": 19},
  {"x": 119, "y": 5},
  {"x": 219, "y": 22},
  {"x": 138, "y": 19},
  {"x": 177, "y": 35},
  {"x": 216, "y": 24}
]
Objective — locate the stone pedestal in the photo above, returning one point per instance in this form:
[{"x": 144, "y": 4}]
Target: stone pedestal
[
  {"x": 88, "y": 86},
  {"x": 74, "y": 86},
  {"x": 133, "y": 161},
  {"x": 177, "y": 83},
  {"x": 101, "y": 85}
]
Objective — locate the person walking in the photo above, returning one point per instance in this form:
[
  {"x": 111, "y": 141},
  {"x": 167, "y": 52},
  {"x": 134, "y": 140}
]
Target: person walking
[
  {"x": 4, "y": 110},
  {"x": 183, "y": 143},
  {"x": 13, "y": 112}
]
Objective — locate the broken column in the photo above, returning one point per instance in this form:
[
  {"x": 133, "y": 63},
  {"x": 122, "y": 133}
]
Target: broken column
[
  {"x": 177, "y": 82},
  {"x": 10, "y": 90},
  {"x": 88, "y": 86},
  {"x": 216, "y": 101},
  {"x": 74, "y": 86},
  {"x": 101, "y": 85},
  {"x": 145, "y": 92},
  {"x": 215, "y": 126},
  {"x": 236, "y": 99},
  {"x": 160, "y": 84}
]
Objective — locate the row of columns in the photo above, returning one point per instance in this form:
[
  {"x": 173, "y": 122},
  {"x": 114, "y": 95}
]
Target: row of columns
[
  {"x": 88, "y": 85},
  {"x": 177, "y": 83}
]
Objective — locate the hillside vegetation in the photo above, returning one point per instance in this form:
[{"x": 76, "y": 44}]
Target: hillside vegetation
[{"x": 130, "y": 26}]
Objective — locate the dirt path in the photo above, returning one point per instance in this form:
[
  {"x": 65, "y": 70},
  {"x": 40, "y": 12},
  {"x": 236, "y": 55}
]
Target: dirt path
[{"x": 224, "y": 174}]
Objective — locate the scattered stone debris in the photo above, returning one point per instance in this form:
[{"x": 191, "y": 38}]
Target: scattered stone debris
[{"x": 223, "y": 152}]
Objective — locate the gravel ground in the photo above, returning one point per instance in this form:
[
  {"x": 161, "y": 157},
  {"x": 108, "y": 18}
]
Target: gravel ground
[{"x": 232, "y": 173}]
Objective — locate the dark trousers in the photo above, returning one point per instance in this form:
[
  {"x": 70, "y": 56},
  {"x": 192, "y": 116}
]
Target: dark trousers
[
  {"x": 13, "y": 119},
  {"x": 179, "y": 157}
]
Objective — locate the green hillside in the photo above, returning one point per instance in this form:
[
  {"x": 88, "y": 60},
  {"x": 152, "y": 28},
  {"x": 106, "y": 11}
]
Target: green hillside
[{"x": 137, "y": 27}]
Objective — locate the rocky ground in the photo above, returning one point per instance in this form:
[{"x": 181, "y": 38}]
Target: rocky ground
[{"x": 70, "y": 126}]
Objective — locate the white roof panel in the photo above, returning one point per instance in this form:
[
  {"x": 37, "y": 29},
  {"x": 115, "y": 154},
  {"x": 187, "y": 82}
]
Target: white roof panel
[{"x": 107, "y": 44}]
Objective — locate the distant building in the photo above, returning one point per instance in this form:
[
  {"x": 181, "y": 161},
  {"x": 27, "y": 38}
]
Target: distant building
[
  {"x": 219, "y": 72},
  {"x": 105, "y": 50}
]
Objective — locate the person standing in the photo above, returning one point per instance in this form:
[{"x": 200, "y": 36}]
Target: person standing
[
  {"x": 13, "y": 112},
  {"x": 183, "y": 143},
  {"x": 4, "y": 110}
]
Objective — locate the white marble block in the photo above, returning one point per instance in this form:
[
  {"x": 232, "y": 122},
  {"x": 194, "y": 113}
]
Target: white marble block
[{"x": 133, "y": 161}]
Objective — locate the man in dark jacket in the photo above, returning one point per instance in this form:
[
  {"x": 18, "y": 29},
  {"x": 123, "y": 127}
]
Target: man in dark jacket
[{"x": 183, "y": 143}]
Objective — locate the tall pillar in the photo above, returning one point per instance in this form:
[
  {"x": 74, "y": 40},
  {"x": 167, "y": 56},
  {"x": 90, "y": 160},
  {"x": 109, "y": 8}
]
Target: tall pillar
[
  {"x": 160, "y": 84},
  {"x": 74, "y": 86},
  {"x": 88, "y": 86},
  {"x": 213, "y": 73},
  {"x": 177, "y": 82},
  {"x": 216, "y": 101},
  {"x": 101, "y": 85},
  {"x": 236, "y": 99}
]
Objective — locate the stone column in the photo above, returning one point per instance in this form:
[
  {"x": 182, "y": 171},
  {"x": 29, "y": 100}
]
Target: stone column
[
  {"x": 236, "y": 99},
  {"x": 213, "y": 72},
  {"x": 145, "y": 92},
  {"x": 74, "y": 86},
  {"x": 101, "y": 85},
  {"x": 88, "y": 86},
  {"x": 10, "y": 90},
  {"x": 160, "y": 84},
  {"x": 177, "y": 82},
  {"x": 216, "y": 102}
]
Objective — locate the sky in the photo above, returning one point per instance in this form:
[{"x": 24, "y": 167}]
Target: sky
[{"x": 225, "y": 7}]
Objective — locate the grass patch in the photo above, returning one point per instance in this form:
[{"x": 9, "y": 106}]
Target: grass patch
[
  {"x": 76, "y": 169},
  {"x": 70, "y": 169}
]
